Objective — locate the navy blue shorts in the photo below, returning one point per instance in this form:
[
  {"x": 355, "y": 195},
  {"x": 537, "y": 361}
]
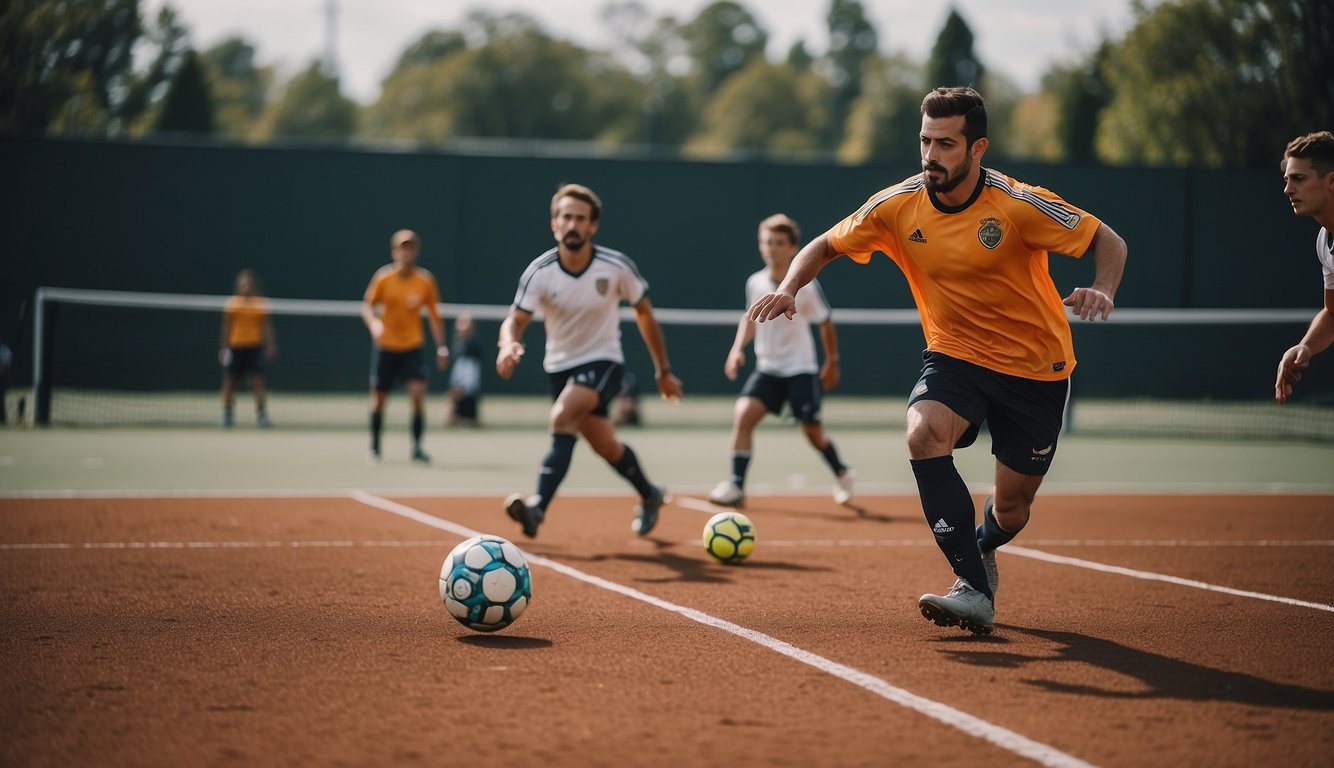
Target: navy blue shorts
[
  {"x": 244, "y": 360},
  {"x": 802, "y": 391},
  {"x": 389, "y": 367},
  {"x": 1024, "y": 416},
  {"x": 601, "y": 376}
]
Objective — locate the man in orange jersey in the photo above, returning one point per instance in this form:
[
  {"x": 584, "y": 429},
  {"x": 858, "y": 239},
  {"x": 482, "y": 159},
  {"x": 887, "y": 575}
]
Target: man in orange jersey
[
  {"x": 1308, "y": 182},
  {"x": 247, "y": 342},
  {"x": 402, "y": 291},
  {"x": 973, "y": 244}
]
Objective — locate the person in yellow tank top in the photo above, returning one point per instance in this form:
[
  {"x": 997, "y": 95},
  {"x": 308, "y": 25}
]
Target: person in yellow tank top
[
  {"x": 392, "y": 309},
  {"x": 973, "y": 244},
  {"x": 247, "y": 343}
]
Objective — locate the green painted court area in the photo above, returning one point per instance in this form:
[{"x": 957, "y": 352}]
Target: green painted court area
[{"x": 684, "y": 447}]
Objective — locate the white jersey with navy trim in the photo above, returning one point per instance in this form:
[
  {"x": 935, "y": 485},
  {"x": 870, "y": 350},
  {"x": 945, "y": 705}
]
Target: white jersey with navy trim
[
  {"x": 1323, "y": 252},
  {"x": 786, "y": 347},
  {"x": 581, "y": 312}
]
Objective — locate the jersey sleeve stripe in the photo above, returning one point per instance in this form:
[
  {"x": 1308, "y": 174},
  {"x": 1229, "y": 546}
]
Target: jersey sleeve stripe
[
  {"x": 1054, "y": 210},
  {"x": 882, "y": 196},
  {"x": 540, "y": 263}
]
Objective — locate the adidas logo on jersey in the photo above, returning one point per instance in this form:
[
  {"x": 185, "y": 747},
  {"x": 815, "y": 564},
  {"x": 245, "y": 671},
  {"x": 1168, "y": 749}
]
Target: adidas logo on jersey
[
  {"x": 941, "y": 528},
  {"x": 916, "y": 237}
]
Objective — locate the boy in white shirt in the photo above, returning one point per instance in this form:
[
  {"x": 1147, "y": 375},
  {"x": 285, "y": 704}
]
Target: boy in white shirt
[{"x": 785, "y": 365}]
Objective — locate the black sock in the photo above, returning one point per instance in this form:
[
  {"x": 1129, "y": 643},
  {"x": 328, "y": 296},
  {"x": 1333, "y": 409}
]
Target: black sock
[
  {"x": 740, "y": 463},
  {"x": 949, "y": 512},
  {"x": 830, "y": 454},
  {"x": 554, "y": 466},
  {"x": 989, "y": 534},
  {"x": 377, "y": 421},
  {"x": 628, "y": 467},
  {"x": 418, "y": 425}
]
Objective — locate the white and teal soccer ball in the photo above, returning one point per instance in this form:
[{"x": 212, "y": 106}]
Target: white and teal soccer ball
[
  {"x": 485, "y": 583},
  {"x": 729, "y": 537}
]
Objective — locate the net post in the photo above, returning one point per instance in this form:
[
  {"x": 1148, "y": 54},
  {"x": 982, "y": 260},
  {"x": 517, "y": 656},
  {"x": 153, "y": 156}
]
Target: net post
[{"x": 41, "y": 353}]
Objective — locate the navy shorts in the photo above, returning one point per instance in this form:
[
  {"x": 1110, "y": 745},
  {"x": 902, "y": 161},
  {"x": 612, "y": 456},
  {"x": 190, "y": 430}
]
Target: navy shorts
[
  {"x": 1024, "y": 416},
  {"x": 802, "y": 391},
  {"x": 601, "y": 376},
  {"x": 244, "y": 360},
  {"x": 389, "y": 367}
]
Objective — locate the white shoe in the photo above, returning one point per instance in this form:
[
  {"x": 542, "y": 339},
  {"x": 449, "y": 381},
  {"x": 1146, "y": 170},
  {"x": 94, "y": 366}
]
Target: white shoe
[
  {"x": 843, "y": 491},
  {"x": 963, "y": 607},
  {"x": 372, "y": 456},
  {"x": 728, "y": 494}
]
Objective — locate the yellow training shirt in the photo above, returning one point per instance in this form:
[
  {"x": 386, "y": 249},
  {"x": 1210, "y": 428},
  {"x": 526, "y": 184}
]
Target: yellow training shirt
[
  {"x": 247, "y": 317},
  {"x": 978, "y": 273},
  {"x": 402, "y": 299}
]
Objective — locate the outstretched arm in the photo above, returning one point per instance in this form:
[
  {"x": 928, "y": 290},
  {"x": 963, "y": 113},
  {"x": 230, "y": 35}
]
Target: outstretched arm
[
  {"x": 803, "y": 269},
  {"x": 668, "y": 384},
  {"x": 1109, "y": 263},
  {"x": 1318, "y": 338},
  {"x": 829, "y": 370},
  {"x": 511, "y": 341},
  {"x": 736, "y": 356}
]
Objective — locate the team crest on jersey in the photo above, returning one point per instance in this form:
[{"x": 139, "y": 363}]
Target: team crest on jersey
[
  {"x": 990, "y": 232},
  {"x": 602, "y": 285}
]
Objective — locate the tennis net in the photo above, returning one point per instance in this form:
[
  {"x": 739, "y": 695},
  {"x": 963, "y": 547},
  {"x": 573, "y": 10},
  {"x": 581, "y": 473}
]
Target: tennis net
[{"x": 107, "y": 358}]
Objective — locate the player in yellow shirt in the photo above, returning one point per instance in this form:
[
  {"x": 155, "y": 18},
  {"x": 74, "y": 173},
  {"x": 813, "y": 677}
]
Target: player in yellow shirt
[
  {"x": 402, "y": 291},
  {"x": 247, "y": 342},
  {"x": 974, "y": 244}
]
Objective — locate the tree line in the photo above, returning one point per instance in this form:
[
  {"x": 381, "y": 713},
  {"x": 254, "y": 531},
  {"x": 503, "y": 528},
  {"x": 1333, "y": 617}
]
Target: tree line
[{"x": 1193, "y": 82}]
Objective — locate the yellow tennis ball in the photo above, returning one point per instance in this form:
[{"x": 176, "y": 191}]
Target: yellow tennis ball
[{"x": 729, "y": 537}]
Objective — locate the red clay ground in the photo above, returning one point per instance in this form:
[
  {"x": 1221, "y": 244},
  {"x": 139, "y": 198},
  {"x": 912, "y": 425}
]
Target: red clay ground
[{"x": 315, "y": 636}]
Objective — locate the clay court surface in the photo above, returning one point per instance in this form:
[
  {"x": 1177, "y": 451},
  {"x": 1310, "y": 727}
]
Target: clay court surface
[{"x": 309, "y": 631}]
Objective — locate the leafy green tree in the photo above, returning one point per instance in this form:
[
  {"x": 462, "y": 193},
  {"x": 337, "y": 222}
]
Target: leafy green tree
[
  {"x": 952, "y": 60},
  {"x": 237, "y": 85},
  {"x": 188, "y": 105},
  {"x": 886, "y": 118},
  {"x": 311, "y": 107},
  {"x": 722, "y": 40},
  {"x": 428, "y": 49},
  {"x": 852, "y": 40},
  {"x": 1216, "y": 82},
  {"x": 657, "y": 55},
  {"x": 66, "y": 63},
  {"x": 1082, "y": 93},
  {"x": 768, "y": 108},
  {"x": 798, "y": 58}
]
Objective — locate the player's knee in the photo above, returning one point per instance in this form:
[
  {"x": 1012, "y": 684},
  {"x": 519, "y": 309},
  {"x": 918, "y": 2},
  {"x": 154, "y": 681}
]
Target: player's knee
[{"x": 1011, "y": 514}]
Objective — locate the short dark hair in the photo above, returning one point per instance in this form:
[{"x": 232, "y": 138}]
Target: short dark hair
[
  {"x": 1316, "y": 147},
  {"x": 578, "y": 192},
  {"x": 959, "y": 100},
  {"x": 781, "y": 222}
]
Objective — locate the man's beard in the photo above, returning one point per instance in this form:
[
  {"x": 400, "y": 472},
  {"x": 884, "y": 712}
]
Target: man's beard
[
  {"x": 948, "y": 183},
  {"x": 573, "y": 241}
]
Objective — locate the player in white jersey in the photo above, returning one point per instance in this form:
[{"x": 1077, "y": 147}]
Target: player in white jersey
[
  {"x": 785, "y": 365},
  {"x": 1308, "y": 182},
  {"x": 579, "y": 287}
]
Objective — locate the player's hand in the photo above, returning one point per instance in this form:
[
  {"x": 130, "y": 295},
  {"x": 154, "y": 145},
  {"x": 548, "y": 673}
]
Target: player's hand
[
  {"x": 377, "y": 328},
  {"x": 441, "y": 357},
  {"x": 508, "y": 358},
  {"x": 225, "y": 357},
  {"x": 1090, "y": 303},
  {"x": 735, "y": 360},
  {"x": 1290, "y": 369},
  {"x": 772, "y": 305},
  {"x": 669, "y": 386},
  {"x": 829, "y": 375}
]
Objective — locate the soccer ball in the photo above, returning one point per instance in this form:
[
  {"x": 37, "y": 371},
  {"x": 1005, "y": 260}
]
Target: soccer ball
[
  {"x": 485, "y": 584},
  {"x": 729, "y": 537}
]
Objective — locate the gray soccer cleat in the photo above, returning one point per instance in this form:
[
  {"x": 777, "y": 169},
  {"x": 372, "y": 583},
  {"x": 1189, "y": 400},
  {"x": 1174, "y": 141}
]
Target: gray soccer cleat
[
  {"x": 527, "y": 515},
  {"x": 963, "y": 607},
  {"x": 646, "y": 512}
]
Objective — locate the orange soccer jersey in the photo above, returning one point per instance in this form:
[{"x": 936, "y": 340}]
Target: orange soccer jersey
[
  {"x": 402, "y": 299},
  {"x": 978, "y": 273},
  {"x": 246, "y": 319}
]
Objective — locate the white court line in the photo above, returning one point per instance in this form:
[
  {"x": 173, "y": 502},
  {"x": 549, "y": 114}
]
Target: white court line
[
  {"x": 1148, "y": 576},
  {"x": 969, "y": 724}
]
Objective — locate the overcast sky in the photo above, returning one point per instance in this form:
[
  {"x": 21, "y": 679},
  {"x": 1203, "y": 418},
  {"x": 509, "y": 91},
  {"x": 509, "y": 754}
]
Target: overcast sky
[{"x": 1019, "y": 38}]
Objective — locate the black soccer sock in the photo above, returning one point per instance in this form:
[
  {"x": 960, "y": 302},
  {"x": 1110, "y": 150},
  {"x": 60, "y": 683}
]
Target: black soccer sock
[
  {"x": 989, "y": 534},
  {"x": 830, "y": 454},
  {"x": 628, "y": 467},
  {"x": 377, "y": 422},
  {"x": 554, "y": 466},
  {"x": 949, "y": 512},
  {"x": 418, "y": 426},
  {"x": 740, "y": 463}
]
